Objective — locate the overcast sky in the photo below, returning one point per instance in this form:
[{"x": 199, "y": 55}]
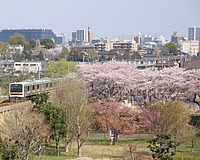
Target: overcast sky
[{"x": 106, "y": 18}]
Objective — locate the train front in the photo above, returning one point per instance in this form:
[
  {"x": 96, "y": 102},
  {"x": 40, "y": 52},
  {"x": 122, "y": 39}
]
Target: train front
[{"x": 16, "y": 91}]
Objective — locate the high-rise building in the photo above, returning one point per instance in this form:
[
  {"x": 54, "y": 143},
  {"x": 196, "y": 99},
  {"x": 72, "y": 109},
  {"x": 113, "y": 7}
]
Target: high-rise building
[
  {"x": 194, "y": 33},
  {"x": 198, "y": 34},
  {"x": 81, "y": 36},
  {"x": 30, "y": 34},
  {"x": 191, "y": 33},
  {"x": 89, "y": 35},
  {"x": 73, "y": 37}
]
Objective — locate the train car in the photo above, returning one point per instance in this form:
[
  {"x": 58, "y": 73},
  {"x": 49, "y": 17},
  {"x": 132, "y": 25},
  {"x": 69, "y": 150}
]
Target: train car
[{"x": 19, "y": 91}]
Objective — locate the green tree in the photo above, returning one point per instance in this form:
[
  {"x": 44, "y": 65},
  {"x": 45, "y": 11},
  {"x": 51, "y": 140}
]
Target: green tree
[
  {"x": 54, "y": 116},
  {"x": 61, "y": 68},
  {"x": 27, "y": 55},
  {"x": 91, "y": 55},
  {"x": 135, "y": 55},
  {"x": 75, "y": 54},
  {"x": 162, "y": 147},
  {"x": 19, "y": 39},
  {"x": 7, "y": 149},
  {"x": 64, "y": 53},
  {"x": 4, "y": 48},
  {"x": 47, "y": 43},
  {"x": 172, "y": 47},
  {"x": 32, "y": 44}
]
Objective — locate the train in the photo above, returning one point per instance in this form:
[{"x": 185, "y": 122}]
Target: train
[{"x": 20, "y": 91}]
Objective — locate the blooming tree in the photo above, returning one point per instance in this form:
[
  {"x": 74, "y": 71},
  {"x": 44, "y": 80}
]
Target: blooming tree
[
  {"x": 122, "y": 81},
  {"x": 110, "y": 115}
]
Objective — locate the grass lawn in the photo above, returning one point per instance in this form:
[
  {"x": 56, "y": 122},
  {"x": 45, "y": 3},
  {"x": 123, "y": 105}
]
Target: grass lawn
[{"x": 98, "y": 147}]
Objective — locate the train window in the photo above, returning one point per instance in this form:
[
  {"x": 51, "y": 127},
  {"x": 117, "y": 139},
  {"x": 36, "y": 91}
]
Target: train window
[
  {"x": 38, "y": 86},
  {"x": 32, "y": 64},
  {"x": 33, "y": 87},
  {"x": 50, "y": 84},
  {"x": 28, "y": 88},
  {"x": 25, "y": 64},
  {"x": 16, "y": 88},
  {"x": 46, "y": 85}
]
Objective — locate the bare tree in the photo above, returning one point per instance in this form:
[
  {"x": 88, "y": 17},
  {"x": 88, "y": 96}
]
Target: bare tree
[
  {"x": 72, "y": 97},
  {"x": 26, "y": 130}
]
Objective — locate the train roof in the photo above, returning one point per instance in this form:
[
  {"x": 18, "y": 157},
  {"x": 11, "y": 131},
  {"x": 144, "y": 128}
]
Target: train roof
[{"x": 32, "y": 82}]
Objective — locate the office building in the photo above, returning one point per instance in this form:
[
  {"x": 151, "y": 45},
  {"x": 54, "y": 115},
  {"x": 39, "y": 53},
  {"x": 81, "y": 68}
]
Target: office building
[
  {"x": 30, "y": 34},
  {"x": 82, "y": 36},
  {"x": 194, "y": 33},
  {"x": 197, "y": 34},
  {"x": 73, "y": 37}
]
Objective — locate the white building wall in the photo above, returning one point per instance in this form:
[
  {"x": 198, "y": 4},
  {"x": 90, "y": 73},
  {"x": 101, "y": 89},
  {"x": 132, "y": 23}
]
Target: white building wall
[
  {"x": 27, "y": 67},
  {"x": 190, "y": 47}
]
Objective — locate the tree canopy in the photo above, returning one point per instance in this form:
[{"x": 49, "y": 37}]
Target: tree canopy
[
  {"x": 4, "y": 48},
  {"x": 53, "y": 115},
  {"x": 123, "y": 81},
  {"x": 110, "y": 115},
  {"x": 23, "y": 132},
  {"x": 47, "y": 43},
  {"x": 172, "y": 47},
  {"x": 72, "y": 98},
  {"x": 159, "y": 118},
  {"x": 19, "y": 39},
  {"x": 61, "y": 68}
]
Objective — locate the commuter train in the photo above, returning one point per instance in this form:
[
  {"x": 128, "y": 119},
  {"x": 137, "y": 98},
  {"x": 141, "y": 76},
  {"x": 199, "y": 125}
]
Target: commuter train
[{"x": 20, "y": 91}]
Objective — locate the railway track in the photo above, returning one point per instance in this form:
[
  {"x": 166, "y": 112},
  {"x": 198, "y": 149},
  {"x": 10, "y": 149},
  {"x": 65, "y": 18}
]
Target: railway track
[
  {"x": 8, "y": 106},
  {"x": 5, "y": 104}
]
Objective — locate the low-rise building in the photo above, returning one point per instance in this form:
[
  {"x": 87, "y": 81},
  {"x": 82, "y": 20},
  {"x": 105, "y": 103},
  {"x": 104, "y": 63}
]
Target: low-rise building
[
  {"x": 126, "y": 45},
  {"x": 6, "y": 66},
  {"x": 190, "y": 47},
  {"x": 28, "y": 67}
]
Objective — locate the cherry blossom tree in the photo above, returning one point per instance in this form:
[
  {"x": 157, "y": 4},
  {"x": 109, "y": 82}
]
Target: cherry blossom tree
[
  {"x": 123, "y": 81},
  {"x": 110, "y": 115}
]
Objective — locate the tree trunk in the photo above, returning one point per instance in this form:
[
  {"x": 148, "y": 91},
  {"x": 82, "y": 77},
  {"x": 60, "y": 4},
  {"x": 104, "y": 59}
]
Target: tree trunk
[
  {"x": 192, "y": 146},
  {"x": 78, "y": 136},
  {"x": 57, "y": 148},
  {"x": 24, "y": 157},
  {"x": 79, "y": 146},
  {"x": 67, "y": 143},
  {"x": 40, "y": 153},
  {"x": 175, "y": 149},
  {"x": 115, "y": 137}
]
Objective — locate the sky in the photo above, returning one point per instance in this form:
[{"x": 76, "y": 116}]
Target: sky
[{"x": 106, "y": 18}]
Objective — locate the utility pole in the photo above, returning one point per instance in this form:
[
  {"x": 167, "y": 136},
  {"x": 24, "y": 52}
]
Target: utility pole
[
  {"x": 68, "y": 67},
  {"x": 38, "y": 71}
]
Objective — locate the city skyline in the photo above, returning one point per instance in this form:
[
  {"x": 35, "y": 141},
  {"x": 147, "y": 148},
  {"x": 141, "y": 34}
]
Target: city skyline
[{"x": 106, "y": 18}]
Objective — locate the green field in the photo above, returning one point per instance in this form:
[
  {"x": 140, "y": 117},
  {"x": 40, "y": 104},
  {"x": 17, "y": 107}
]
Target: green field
[{"x": 98, "y": 147}]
